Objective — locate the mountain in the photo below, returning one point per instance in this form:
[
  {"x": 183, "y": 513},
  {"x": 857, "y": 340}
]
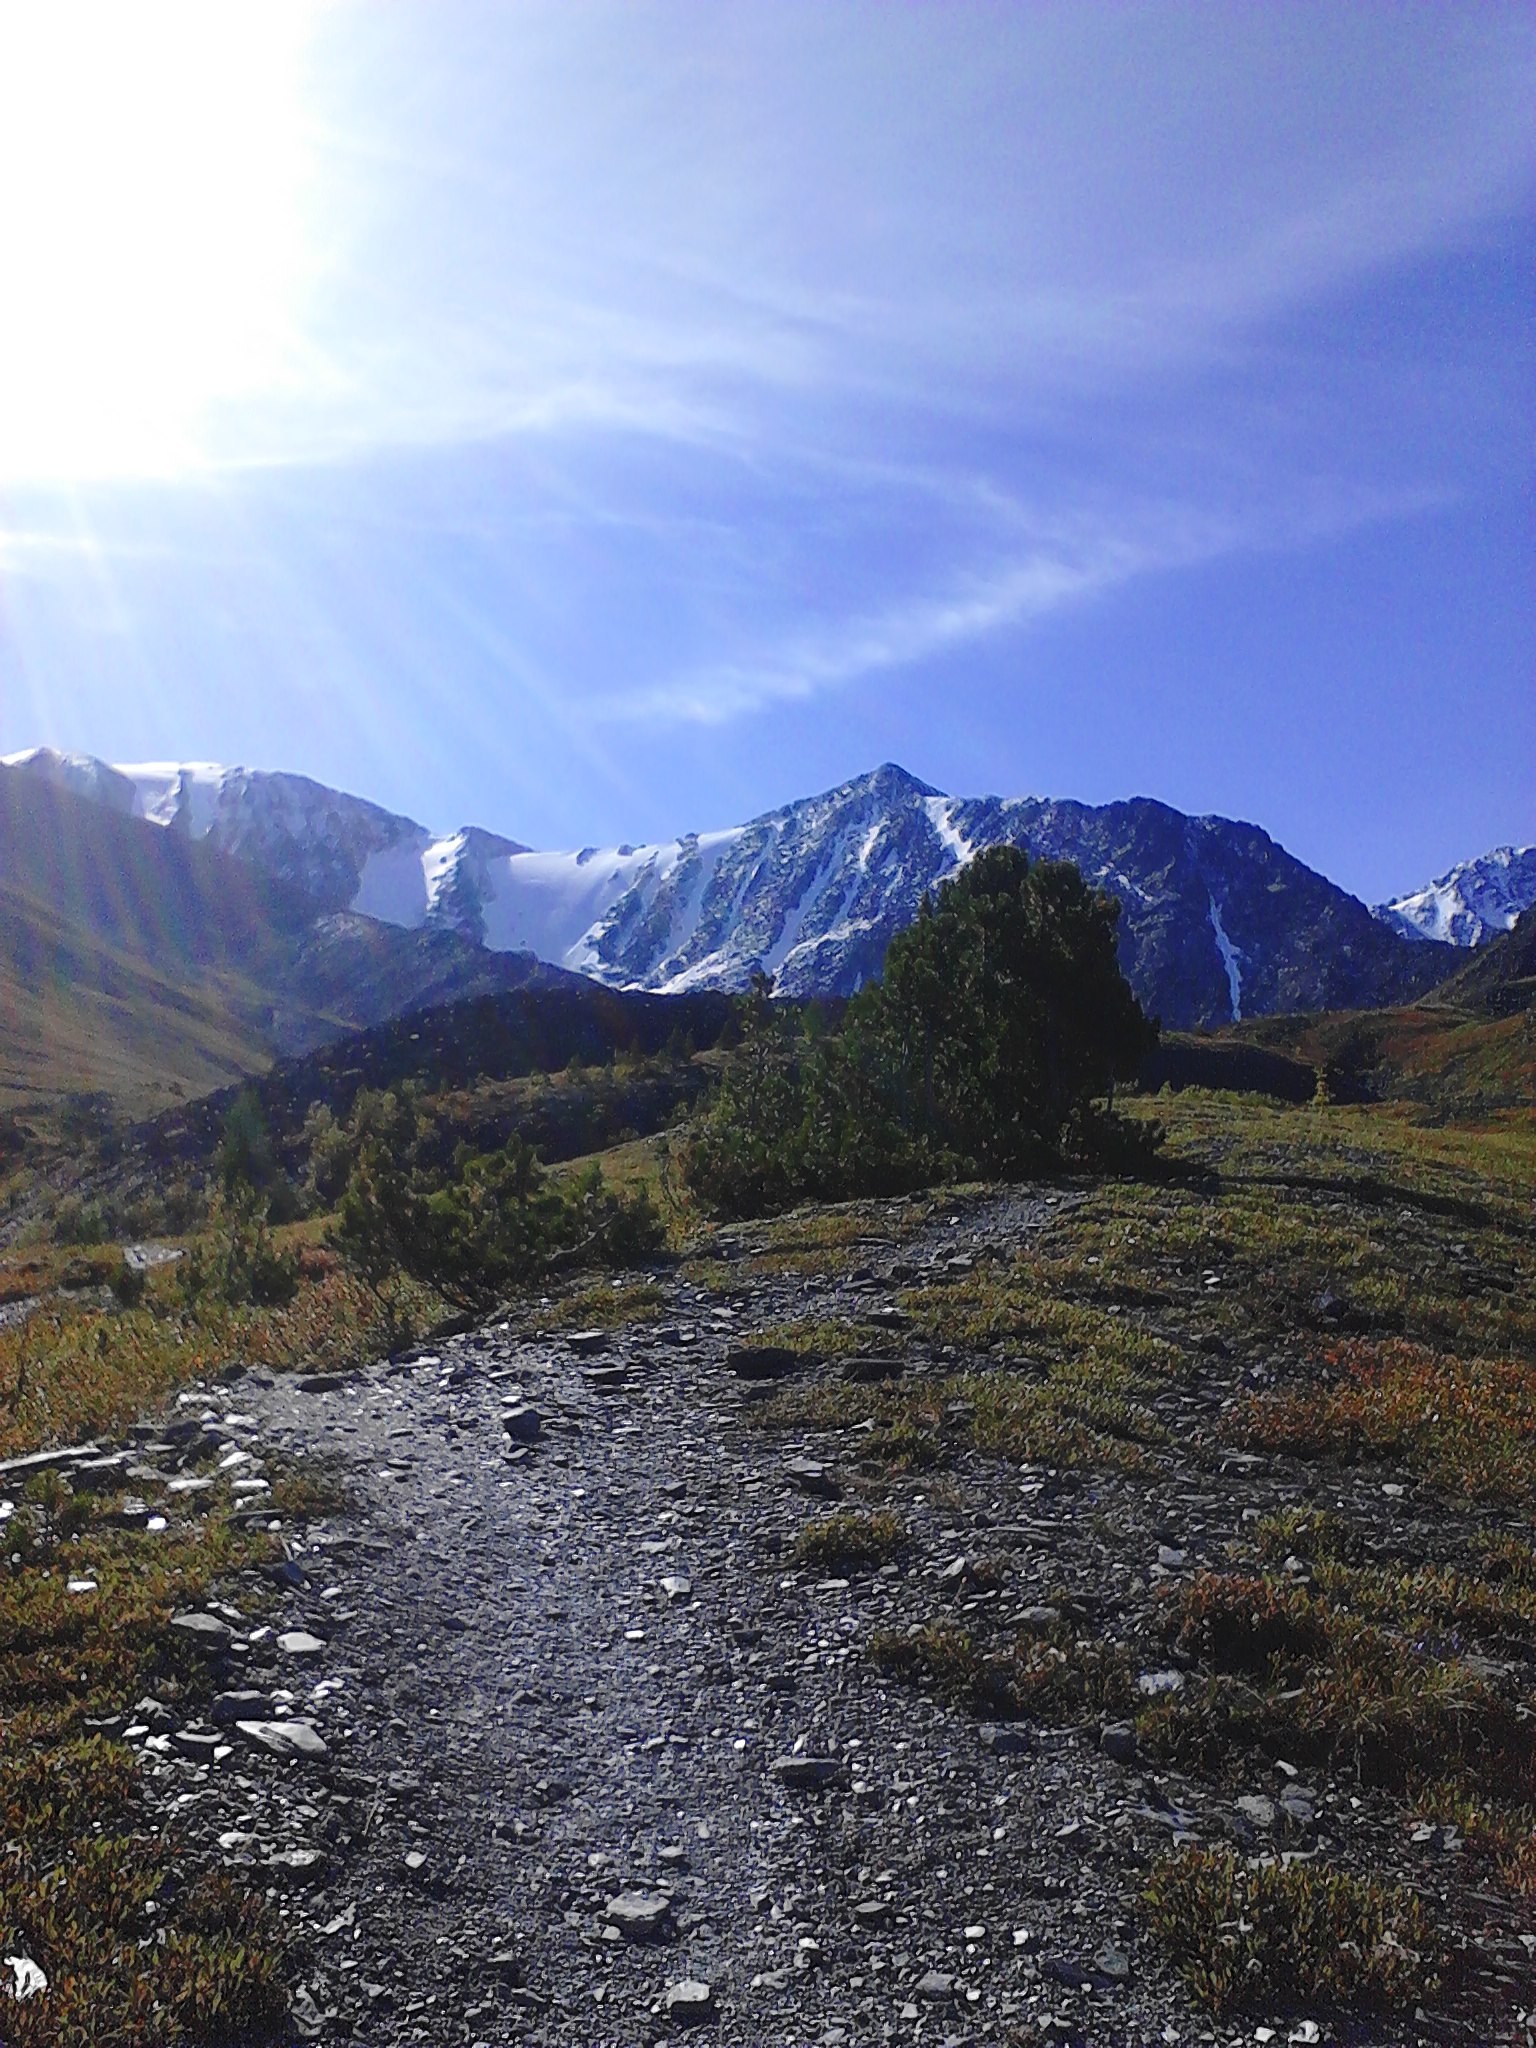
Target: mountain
[
  {"x": 1500, "y": 978},
  {"x": 1472, "y": 902},
  {"x": 1218, "y": 920},
  {"x": 145, "y": 963}
]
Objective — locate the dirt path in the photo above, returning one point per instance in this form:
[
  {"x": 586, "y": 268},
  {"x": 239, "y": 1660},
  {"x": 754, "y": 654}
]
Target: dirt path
[{"x": 559, "y": 1674}]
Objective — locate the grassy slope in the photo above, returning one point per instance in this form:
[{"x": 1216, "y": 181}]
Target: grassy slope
[
  {"x": 82, "y": 1014},
  {"x": 131, "y": 960}
]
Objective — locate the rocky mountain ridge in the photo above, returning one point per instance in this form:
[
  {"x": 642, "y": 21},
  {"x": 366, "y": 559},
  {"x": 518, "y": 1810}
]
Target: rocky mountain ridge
[
  {"x": 1218, "y": 920},
  {"x": 1470, "y": 903}
]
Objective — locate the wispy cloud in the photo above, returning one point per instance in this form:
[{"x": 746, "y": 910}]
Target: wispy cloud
[{"x": 1066, "y": 563}]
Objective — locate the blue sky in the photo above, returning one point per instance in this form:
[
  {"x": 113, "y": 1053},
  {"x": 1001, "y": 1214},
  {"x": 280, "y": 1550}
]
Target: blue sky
[{"x": 600, "y": 421}]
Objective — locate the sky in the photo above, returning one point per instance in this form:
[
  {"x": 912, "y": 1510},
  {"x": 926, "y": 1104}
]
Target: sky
[{"x": 603, "y": 421}]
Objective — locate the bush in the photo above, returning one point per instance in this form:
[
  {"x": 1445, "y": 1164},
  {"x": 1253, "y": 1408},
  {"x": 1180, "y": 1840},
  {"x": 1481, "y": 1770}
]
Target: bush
[
  {"x": 492, "y": 1228},
  {"x": 240, "y": 1263}
]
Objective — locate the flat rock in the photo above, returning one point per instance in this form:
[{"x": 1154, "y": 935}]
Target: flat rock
[
  {"x": 865, "y": 1371},
  {"x": 766, "y": 1361},
  {"x": 1003, "y": 1740},
  {"x": 586, "y": 1343},
  {"x": 196, "y": 1744},
  {"x": 639, "y": 1916},
  {"x": 808, "y": 1773},
  {"x": 231, "y": 1707},
  {"x": 873, "y": 1913},
  {"x": 286, "y": 1739},
  {"x": 206, "y": 1629},
  {"x": 298, "y": 1642},
  {"x": 812, "y": 1477}
]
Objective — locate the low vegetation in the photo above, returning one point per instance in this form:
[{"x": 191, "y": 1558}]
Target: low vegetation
[
  {"x": 138, "y": 1951},
  {"x": 1270, "y": 1938},
  {"x": 852, "y": 1542}
]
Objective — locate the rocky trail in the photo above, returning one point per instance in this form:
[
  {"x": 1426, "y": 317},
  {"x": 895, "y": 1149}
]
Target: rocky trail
[{"x": 552, "y": 1739}]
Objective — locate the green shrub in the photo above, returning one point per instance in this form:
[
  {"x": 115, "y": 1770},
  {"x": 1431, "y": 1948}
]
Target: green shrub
[
  {"x": 492, "y": 1228},
  {"x": 1002, "y": 1012}
]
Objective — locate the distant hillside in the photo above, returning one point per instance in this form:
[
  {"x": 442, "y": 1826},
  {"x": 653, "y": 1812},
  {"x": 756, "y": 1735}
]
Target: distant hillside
[
  {"x": 459, "y": 1046},
  {"x": 151, "y": 966},
  {"x": 131, "y": 963}
]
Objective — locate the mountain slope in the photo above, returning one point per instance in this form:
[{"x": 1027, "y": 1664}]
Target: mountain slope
[
  {"x": 147, "y": 964},
  {"x": 1500, "y": 978},
  {"x": 130, "y": 963},
  {"x": 1218, "y": 920},
  {"x": 1471, "y": 903}
]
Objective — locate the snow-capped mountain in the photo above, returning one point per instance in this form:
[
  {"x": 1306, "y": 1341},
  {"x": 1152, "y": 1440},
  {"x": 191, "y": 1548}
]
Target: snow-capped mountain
[
  {"x": 1218, "y": 921},
  {"x": 1473, "y": 902}
]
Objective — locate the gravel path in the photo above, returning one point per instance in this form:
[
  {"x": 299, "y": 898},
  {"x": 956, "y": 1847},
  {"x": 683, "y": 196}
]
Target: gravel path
[{"x": 604, "y": 1765}]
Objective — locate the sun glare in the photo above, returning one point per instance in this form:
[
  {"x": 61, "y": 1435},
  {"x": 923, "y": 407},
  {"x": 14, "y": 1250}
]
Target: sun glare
[{"x": 153, "y": 161}]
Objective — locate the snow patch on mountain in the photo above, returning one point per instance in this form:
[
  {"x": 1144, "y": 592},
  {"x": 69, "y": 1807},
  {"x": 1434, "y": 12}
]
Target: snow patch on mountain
[
  {"x": 1230, "y": 962},
  {"x": 1471, "y": 903},
  {"x": 941, "y": 815}
]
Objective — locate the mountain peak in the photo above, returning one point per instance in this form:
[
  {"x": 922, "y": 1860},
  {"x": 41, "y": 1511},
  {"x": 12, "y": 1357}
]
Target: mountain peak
[{"x": 1471, "y": 902}]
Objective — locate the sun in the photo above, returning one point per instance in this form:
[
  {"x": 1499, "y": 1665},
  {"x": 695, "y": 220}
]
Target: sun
[{"x": 153, "y": 169}]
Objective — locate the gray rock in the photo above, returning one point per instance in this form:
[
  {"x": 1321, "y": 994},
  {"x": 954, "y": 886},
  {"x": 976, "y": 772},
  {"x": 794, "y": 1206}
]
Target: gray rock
[
  {"x": 936, "y": 1987},
  {"x": 689, "y": 2001},
  {"x": 205, "y": 1629},
  {"x": 298, "y": 1642},
  {"x": 1299, "y": 1806},
  {"x": 1039, "y": 1621},
  {"x": 522, "y": 1423},
  {"x": 866, "y": 1370},
  {"x": 639, "y": 1916},
  {"x": 1117, "y": 1739},
  {"x": 766, "y": 1361},
  {"x": 1003, "y": 1740},
  {"x": 231, "y": 1707},
  {"x": 808, "y": 1773},
  {"x": 813, "y": 1478},
  {"x": 197, "y": 1744},
  {"x": 1113, "y": 1963},
  {"x": 679, "y": 1591},
  {"x": 290, "y": 1740},
  {"x": 585, "y": 1343},
  {"x": 1257, "y": 1810}
]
